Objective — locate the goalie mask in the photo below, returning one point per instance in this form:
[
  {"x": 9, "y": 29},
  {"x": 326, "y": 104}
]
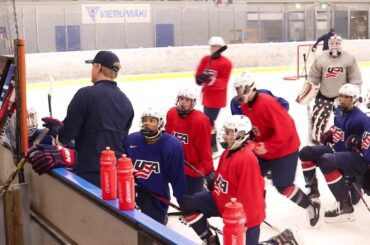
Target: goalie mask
[
  {"x": 152, "y": 123},
  {"x": 352, "y": 91},
  {"x": 335, "y": 45},
  {"x": 32, "y": 122},
  {"x": 235, "y": 132},
  {"x": 244, "y": 84},
  {"x": 186, "y": 101}
]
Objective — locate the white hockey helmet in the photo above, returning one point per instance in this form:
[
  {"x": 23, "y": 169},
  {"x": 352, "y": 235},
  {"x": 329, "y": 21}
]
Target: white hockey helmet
[
  {"x": 352, "y": 90},
  {"x": 32, "y": 121},
  {"x": 216, "y": 41},
  {"x": 155, "y": 113},
  {"x": 335, "y": 45},
  {"x": 241, "y": 127},
  {"x": 187, "y": 93},
  {"x": 246, "y": 82}
]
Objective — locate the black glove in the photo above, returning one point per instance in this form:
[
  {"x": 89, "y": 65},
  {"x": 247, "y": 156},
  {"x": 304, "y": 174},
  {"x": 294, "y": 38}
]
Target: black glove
[
  {"x": 210, "y": 179},
  {"x": 53, "y": 124},
  {"x": 353, "y": 142},
  {"x": 203, "y": 78},
  {"x": 327, "y": 138},
  {"x": 45, "y": 157}
]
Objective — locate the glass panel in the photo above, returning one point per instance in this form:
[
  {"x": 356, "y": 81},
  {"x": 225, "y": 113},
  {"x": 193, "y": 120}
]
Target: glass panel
[
  {"x": 359, "y": 25},
  {"x": 341, "y": 23},
  {"x": 296, "y": 31}
]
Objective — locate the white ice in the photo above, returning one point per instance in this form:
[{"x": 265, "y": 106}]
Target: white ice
[{"x": 281, "y": 212}]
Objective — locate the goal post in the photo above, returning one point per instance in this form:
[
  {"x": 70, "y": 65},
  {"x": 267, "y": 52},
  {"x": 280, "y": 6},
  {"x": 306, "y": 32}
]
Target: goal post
[{"x": 303, "y": 60}]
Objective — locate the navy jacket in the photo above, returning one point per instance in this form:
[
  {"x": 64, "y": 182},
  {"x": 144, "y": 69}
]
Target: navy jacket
[
  {"x": 325, "y": 38},
  {"x": 98, "y": 116}
]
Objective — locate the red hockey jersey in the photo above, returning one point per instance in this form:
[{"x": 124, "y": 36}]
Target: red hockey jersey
[
  {"x": 194, "y": 132},
  {"x": 239, "y": 176},
  {"x": 272, "y": 125},
  {"x": 214, "y": 94}
]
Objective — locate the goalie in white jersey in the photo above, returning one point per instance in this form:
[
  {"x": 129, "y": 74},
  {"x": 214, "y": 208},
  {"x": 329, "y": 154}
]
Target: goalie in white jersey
[{"x": 328, "y": 73}]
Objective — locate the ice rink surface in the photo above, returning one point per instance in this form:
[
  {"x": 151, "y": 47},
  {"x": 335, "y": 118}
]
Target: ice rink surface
[{"x": 281, "y": 212}]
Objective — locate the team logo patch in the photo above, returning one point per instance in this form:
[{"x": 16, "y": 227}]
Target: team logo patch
[
  {"x": 365, "y": 141},
  {"x": 222, "y": 185},
  {"x": 143, "y": 168},
  {"x": 338, "y": 134},
  {"x": 184, "y": 138},
  {"x": 333, "y": 71}
]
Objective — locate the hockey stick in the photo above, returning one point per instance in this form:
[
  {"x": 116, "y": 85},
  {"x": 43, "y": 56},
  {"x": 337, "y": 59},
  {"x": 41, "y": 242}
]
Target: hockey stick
[
  {"x": 194, "y": 168},
  {"x": 215, "y": 55},
  {"x": 218, "y": 52},
  {"x": 51, "y": 80},
  {"x": 308, "y": 107},
  {"x": 169, "y": 203},
  {"x": 360, "y": 193},
  {"x": 20, "y": 164}
]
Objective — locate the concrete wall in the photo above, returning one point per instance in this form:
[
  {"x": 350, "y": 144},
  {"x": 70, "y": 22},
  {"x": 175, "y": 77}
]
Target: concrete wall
[{"x": 70, "y": 65}]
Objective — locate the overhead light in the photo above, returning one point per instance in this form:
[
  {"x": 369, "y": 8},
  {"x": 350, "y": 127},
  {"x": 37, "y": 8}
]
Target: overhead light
[{"x": 324, "y": 5}]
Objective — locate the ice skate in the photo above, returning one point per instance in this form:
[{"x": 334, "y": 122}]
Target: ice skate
[
  {"x": 284, "y": 238},
  {"x": 313, "y": 212},
  {"x": 342, "y": 212}
]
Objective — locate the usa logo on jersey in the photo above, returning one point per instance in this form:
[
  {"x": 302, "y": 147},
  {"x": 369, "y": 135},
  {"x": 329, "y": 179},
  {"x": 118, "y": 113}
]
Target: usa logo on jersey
[
  {"x": 338, "y": 134},
  {"x": 365, "y": 141},
  {"x": 333, "y": 71},
  {"x": 221, "y": 185},
  {"x": 184, "y": 138},
  {"x": 144, "y": 168}
]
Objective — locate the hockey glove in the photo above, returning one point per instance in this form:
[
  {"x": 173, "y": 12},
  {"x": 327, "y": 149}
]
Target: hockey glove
[
  {"x": 53, "y": 124},
  {"x": 353, "y": 143},
  {"x": 308, "y": 92},
  {"x": 327, "y": 138},
  {"x": 313, "y": 48},
  {"x": 209, "y": 180},
  {"x": 45, "y": 157},
  {"x": 202, "y": 78}
]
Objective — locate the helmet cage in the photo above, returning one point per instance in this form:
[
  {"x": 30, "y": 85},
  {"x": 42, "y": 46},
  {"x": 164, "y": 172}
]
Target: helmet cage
[
  {"x": 151, "y": 112},
  {"x": 353, "y": 91},
  {"x": 335, "y": 45},
  {"x": 245, "y": 82},
  {"x": 240, "y": 126},
  {"x": 186, "y": 93}
]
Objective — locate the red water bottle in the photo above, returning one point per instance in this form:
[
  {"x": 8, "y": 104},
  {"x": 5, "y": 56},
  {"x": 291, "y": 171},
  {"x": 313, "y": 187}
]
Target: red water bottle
[
  {"x": 108, "y": 174},
  {"x": 126, "y": 184},
  {"x": 234, "y": 220}
]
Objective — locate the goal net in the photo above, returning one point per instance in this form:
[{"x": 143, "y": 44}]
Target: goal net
[{"x": 303, "y": 60}]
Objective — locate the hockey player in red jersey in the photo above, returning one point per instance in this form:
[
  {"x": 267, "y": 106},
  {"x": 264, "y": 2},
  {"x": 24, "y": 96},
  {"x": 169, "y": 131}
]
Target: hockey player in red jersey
[
  {"x": 193, "y": 129},
  {"x": 277, "y": 142},
  {"x": 238, "y": 175},
  {"x": 328, "y": 73},
  {"x": 213, "y": 74}
]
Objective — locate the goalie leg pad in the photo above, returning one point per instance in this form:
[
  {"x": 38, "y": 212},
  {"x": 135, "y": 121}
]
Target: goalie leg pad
[{"x": 320, "y": 116}]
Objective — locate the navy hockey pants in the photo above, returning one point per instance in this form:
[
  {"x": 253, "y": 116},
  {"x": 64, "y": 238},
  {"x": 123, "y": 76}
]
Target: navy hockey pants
[
  {"x": 212, "y": 114},
  {"x": 151, "y": 206},
  {"x": 194, "y": 184},
  {"x": 282, "y": 169}
]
